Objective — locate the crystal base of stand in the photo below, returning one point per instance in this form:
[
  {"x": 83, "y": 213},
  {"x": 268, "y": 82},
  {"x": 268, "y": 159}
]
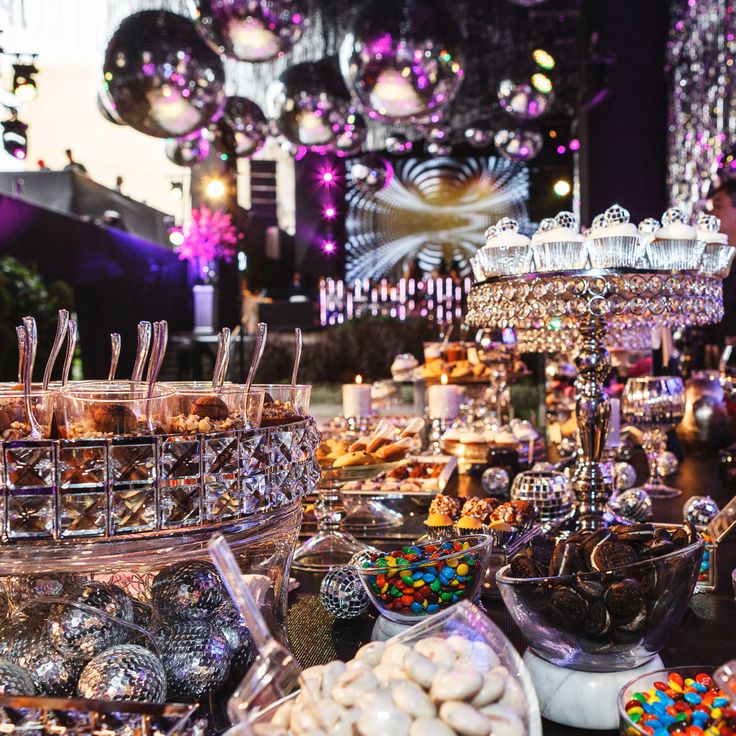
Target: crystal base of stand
[
  {"x": 365, "y": 514},
  {"x": 327, "y": 550},
  {"x": 659, "y": 491}
]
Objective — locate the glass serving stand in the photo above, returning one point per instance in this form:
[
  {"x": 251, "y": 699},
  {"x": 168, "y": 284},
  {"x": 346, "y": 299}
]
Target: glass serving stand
[
  {"x": 332, "y": 545},
  {"x": 586, "y": 311}
]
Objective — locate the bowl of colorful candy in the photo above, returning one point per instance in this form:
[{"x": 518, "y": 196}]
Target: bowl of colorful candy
[
  {"x": 422, "y": 579},
  {"x": 683, "y": 700},
  {"x": 602, "y": 601}
]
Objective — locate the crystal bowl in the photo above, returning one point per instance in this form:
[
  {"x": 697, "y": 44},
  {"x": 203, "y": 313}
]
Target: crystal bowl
[
  {"x": 468, "y": 561},
  {"x": 584, "y": 636},
  {"x": 283, "y": 403}
]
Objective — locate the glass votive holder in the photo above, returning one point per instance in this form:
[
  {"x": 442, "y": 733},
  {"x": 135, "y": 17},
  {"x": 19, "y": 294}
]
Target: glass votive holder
[
  {"x": 198, "y": 407},
  {"x": 283, "y": 403},
  {"x": 15, "y": 422},
  {"x": 113, "y": 409}
]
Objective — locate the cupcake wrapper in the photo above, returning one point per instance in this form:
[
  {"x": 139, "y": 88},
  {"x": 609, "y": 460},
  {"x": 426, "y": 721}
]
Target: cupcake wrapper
[
  {"x": 674, "y": 255},
  {"x": 717, "y": 259},
  {"x": 508, "y": 261},
  {"x": 438, "y": 533},
  {"x": 560, "y": 256},
  {"x": 621, "y": 251},
  {"x": 461, "y": 532}
]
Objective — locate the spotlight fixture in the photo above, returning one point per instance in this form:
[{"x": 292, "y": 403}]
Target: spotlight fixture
[
  {"x": 15, "y": 139},
  {"x": 176, "y": 237},
  {"x": 215, "y": 188},
  {"x": 562, "y": 187},
  {"x": 24, "y": 85},
  {"x": 329, "y": 212},
  {"x": 177, "y": 190}
]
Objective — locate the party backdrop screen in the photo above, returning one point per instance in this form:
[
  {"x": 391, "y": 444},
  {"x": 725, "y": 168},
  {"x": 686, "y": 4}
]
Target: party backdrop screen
[{"x": 432, "y": 209}]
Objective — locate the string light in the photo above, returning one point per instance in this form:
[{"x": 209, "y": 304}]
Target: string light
[
  {"x": 215, "y": 188},
  {"x": 543, "y": 58},
  {"x": 176, "y": 237},
  {"x": 329, "y": 212},
  {"x": 542, "y": 83},
  {"x": 328, "y": 246},
  {"x": 562, "y": 187}
]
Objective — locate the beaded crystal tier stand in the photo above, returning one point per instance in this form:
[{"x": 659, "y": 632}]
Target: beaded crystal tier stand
[{"x": 587, "y": 311}]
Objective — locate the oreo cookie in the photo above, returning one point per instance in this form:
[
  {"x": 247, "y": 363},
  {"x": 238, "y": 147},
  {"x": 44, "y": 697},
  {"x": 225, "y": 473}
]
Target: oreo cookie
[
  {"x": 657, "y": 547},
  {"x": 637, "y": 623},
  {"x": 598, "y": 620},
  {"x": 567, "y": 607},
  {"x": 590, "y": 588},
  {"x": 609, "y": 555},
  {"x": 564, "y": 559},
  {"x": 633, "y": 533},
  {"x": 523, "y": 567},
  {"x": 624, "y": 599},
  {"x": 540, "y": 550}
]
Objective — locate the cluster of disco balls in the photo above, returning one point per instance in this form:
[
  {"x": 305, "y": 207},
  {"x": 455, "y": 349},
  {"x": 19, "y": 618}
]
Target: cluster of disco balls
[{"x": 178, "y": 641}]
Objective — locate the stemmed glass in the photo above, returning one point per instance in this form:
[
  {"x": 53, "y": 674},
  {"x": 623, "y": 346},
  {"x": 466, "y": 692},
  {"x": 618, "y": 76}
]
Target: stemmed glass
[{"x": 655, "y": 404}]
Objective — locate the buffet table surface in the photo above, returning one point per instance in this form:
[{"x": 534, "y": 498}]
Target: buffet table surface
[{"x": 704, "y": 637}]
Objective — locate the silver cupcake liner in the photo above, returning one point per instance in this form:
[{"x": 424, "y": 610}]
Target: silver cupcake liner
[
  {"x": 509, "y": 260},
  {"x": 562, "y": 255},
  {"x": 619, "y": 251},
  {"x": 506, "y": 539},
  {"x": 439, "y": 533},
  {"x": 717, "y": 259},
  {"x": 674, "y": 255}
]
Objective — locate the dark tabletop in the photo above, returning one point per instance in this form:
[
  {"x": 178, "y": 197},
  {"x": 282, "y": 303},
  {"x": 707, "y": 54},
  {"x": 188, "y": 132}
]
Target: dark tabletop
[{"x": 705, "y": 635}]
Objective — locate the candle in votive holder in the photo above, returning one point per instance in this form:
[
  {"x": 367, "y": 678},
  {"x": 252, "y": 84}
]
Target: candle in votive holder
[
  {"x": 614, "y": 425},
  {"x": 356, "y": 398},
  {"x": 443, "y": 400}
]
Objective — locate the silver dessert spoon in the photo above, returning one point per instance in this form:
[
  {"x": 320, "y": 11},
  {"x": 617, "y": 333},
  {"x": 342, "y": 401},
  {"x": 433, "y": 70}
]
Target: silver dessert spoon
[
  {"x": 61, "y": 328},
  {"x": 71, "y": 346},
  {"x": 141, "y": 352},
  {"x": 115, "y": 345}
]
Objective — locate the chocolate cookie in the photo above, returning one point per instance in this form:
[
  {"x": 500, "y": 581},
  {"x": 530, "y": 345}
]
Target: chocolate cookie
[
  {"x": 598, "y": 620},
  {"x": 638, "y": 621},
  {"x": 680, "y": 538},
  {"x": 567, "y": 607},
  {"x": 633, "y": 533},
  {"x": 592, "y": 541},
  {"x": 656, "y": 548},
  {"x": 115, "y": 419},
  {"x": 624, "y": 599},
  {"x": 212, "y": 407},
  {"x": 540, "y": 550},
  {"x": 590, "y": 589},
  {"x": 564, "y": 559},
  {"x": 609, "y": 555},
  {"x": 523, "y": 567}
]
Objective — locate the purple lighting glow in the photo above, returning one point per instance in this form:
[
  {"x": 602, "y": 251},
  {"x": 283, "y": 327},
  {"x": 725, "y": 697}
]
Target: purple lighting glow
[
  {"x": 561, "y": 149},
  {"x": 328, "y": 246},
  {"x": 327, "y": 176},
  {"x": 574, "y": 144},
  {"x": 329, "y": 212}
]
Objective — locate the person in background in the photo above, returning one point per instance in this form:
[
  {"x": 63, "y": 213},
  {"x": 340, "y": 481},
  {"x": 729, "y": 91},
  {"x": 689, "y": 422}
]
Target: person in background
[
  {"x": 722, "y": 202},
  {"x": 119, "y": 184},
  {"x": 296, "y": 288},
  {"x": 457, "y": 279},
  {"x": 74, "y": 165},
  {"x": 42, "y": 165}
]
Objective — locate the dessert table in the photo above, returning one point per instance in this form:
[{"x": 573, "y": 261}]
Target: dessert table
[{"x": 701, "y": 639}]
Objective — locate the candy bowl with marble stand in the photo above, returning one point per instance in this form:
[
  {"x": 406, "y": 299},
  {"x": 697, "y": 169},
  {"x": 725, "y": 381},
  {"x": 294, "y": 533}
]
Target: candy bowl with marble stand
[{"x": 590, "y": 633}]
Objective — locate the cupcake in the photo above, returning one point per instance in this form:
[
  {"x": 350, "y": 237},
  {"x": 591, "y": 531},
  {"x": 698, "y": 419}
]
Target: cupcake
[
  {"x": 438, "y": 526},
  {"x": 445, "y": 505},
  {"x": 402, "y": 369},
  {"x": 505, "y": 436},
  {"x": 717, "y": 253},
  {"x": 613, "y": 241},
  {"x": 479, "y": 508},
  {"x": 468, "y": 525},
  {"x": 510, "y": 520},
  {"x": 507, "y": 252},
  {"x": 558, "y": 245},
  {"x": 675, "y": 244}
]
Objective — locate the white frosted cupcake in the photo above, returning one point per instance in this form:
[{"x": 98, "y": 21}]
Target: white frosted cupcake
[
  {"x": 675, "y": 245},
  {"x": 717, "y": 253},
  {"x": 507, "y": 252},
  {"x": 613, "y": 241},
  {"x": 558, "y": 244}
]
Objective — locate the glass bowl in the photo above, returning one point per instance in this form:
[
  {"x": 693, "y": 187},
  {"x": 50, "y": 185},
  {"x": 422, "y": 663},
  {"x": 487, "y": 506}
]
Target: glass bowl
[
  {"x": 642, "y": 684},
  {"x": 283, "y": 404},
  {"x": 447, "y": 579},
  {"x": 113, "y": 409},
  {"x": 14, "y": 420},
  {"x": 584, "y": 636},
  {"x": 197, "y": 407}
]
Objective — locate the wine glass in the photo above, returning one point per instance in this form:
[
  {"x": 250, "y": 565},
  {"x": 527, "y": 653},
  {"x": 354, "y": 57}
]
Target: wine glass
[{"x": 655, "y": 404}]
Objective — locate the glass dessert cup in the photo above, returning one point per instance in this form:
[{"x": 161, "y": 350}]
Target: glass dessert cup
[
  {"x": 560, "y": 635},
  {"x": 654, "y": 404},
  {"x": 506, "y": 260},
  {"x": 283, "y": 403},
  {"x": 331, "y": 545},
  {"x": 619, "y": 251},
  {"x": 113, "y": 409},
  {"x": 365, "y": 513},
  {"x": 475, "y": 558},
  {"x": 21, "y": 417},
  {"x": 197, "y": 407}
]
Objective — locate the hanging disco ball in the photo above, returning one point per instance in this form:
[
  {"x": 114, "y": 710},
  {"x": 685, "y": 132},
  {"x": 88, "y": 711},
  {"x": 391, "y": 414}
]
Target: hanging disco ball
[
  {"x": 189, "y": 151},
  {"x": 398, "y": 144},
  {"x": 522, "y": 100},
  {"x": 518, "y": 144},
  {"x": 251, "y": 30},
  {"x": 478, "y": 135},
  {"x": 163, "y": 78},
  {"x": 243, "y": 127},
  {"x": 351, "y": 140},
  {"x": 371, "y": 174},
  {"x": 401, "y": 59},
  {"x": 106, "y": 108},
  {"x": 310, "y": 104}
]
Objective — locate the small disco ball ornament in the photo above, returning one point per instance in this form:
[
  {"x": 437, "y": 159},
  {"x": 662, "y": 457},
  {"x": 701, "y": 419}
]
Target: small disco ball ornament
[
  {"x": 479, "y": 136},
  {"x": 522, "y": 100},
  {"x": 188, "y": 591},
  {"x": 518, "y": 144},
  {"x": 106, "y": 108},
  {"x": 189, "y": 151},
  {"x": 232, "y": 626},
  {"x": 623, "y": 476},
  {"x": 342, "y": 594},
  {"x": 251, "y": 30},
  {"x": 310, "y": 104},
  {"x": 550, "y": 492},
  {"x": 124, "y": 672},
  {"x": 699, "y": 511},
  {"x": 667, "y": 463},
  {"x": 161, "y": 76},
  {"x": 351, "y": 140},
  {"x": 398, "y": 144},
  {"x": 196, "y": 658},
  {"x": 402, "y": 61},
  {"x": 242, "y": 129},
  {"x": 85, "y": 626},
  {"x": 53, "y": 673},
  {"x": 371, "y": 174},
  {"x": 495, "y": 481},
  {"x": 633, "y": 504},
  {"x": 15, "y": 680}
]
